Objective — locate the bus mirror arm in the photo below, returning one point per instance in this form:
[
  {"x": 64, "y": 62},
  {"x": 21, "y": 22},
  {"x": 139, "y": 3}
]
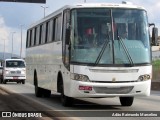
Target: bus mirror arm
[
  {"x": 151, "y": 24},
  {"x": 67, "y": 37}
]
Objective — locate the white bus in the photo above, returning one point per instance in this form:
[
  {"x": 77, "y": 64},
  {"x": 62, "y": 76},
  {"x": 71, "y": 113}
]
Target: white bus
[{"x": 91, "y": 51}]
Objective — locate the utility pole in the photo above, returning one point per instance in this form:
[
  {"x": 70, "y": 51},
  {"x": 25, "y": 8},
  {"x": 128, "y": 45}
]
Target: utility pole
[
  {"x": 21, "y": 42},
  {"x": 44, "y": 10},
  {"x": 4, "y": 51},
  {"x": 12, "y": 44}
]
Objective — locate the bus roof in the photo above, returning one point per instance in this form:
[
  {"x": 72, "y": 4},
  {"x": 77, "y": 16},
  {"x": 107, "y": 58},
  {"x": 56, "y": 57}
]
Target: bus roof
[
  {"x": 108, "y": 5},
  {"x": 87, "y": 5}
]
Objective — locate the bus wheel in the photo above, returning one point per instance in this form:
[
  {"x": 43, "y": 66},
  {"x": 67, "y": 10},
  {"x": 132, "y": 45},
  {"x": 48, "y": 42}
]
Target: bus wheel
[
  {"x": 126, "y": 101},
  {"x": 4, "y": 81},
  {"x": 1, "y": 80},
  {"x": 46, "y": 93},
  {"x": 38, "y": 90},
  {"x": 66, "y": 101}
]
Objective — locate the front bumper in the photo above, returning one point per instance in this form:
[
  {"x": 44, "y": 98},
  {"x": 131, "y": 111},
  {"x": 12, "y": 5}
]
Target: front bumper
[
  {"x": 14, "y": 78},
  {"x": 107, "y": 89}
]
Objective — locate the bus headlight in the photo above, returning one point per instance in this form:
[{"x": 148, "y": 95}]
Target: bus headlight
[
  {"x": 144, "y": 77},
  {"x": 79, "y": 77},
  {"x": 7, "y": 71}
]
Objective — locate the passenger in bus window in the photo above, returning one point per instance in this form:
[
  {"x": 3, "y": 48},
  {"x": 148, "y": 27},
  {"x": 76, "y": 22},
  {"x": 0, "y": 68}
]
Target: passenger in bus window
[{"x": 90, "y": 37}]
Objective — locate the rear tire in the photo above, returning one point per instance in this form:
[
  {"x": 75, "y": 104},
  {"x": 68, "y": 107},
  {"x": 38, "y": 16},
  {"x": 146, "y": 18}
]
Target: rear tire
[
  {"x": 126, "y": 101},
  {"x": 38, "y": 90},
  {"x": 46, "y": 93}
]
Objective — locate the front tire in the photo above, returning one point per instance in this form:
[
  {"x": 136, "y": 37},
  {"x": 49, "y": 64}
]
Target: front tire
[
  {"x": 126, "y": 101},
  {"x": 1, "y": 80},
  {"x": 66, "y": 101},
  {"x": 4, "y": 81}
]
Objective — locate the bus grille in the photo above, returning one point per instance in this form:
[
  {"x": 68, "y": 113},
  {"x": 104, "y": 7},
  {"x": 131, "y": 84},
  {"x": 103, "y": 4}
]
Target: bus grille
[
  {"x": 119, "y": 90},
  {"x": 15, "y": 72}
]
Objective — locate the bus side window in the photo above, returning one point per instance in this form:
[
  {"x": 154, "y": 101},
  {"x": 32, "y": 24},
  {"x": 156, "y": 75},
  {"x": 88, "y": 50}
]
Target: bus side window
[
  {"x": 58, "y": 28},
  {"x": 40, "y": 35},
  {"x": 37, "y": 35},
  {"x": 30, "y": 38},
  {"x": 27, "y": 40},
  {"x": 53, "y": 29},
  {"x": 47, "y": 32},
  {"x": 50, "y": 31},
  {"x": 43, "y": 33}
]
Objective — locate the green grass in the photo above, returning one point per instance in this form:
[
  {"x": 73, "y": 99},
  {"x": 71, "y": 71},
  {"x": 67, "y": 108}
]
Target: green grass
[
  {"x": 156, "y": 63},
  {"x": 156, "y": 70}
]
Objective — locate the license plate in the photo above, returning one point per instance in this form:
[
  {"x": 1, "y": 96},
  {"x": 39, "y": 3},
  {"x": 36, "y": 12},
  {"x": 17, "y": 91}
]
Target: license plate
[{"x": 15, "y": 77}]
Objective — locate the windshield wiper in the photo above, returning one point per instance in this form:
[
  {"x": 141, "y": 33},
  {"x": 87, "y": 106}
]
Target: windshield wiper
[
  {"x": 102, "y": 51},
  {"x": 126, "y": 51}
]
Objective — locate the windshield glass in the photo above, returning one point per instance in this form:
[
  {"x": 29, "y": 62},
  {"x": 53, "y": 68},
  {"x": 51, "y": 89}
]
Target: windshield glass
[
  {"x": 95, "y": 31},
  {"x": 15, "y": 64}
]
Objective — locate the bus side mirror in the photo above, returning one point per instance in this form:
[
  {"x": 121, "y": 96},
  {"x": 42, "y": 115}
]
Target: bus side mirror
[
  {"x": 154, "y": 36},
  {"x": 67, "y": 37}
]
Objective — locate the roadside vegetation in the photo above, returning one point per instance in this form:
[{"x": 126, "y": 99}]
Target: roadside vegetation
[{"x": 156, "y": 70}]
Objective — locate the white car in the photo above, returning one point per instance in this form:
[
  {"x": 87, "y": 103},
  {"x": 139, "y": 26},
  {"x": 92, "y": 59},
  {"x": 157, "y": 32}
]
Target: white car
[{"x": 14, "y": 70}]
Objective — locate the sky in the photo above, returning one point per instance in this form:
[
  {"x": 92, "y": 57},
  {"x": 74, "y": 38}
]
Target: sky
[{"x": 14, "y": 16}]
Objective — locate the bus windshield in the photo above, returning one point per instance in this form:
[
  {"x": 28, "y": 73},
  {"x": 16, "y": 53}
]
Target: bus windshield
[
  {"x": 99, "y": 35},
  {"x": 14, "y": 64}
]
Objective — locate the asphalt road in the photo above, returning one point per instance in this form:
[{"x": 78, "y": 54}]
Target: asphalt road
[{"x": 18, "y": 97}]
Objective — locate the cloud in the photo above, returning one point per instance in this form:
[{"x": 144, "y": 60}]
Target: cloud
[
  {"x": 6, "y": 36},
  {"x": 3, "y": 30}
]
